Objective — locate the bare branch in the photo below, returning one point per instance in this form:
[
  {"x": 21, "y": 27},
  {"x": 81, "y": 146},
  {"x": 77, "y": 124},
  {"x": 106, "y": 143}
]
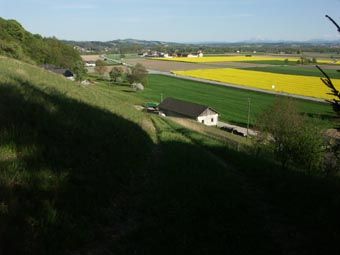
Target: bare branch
[{"x": 332, "y": 20}]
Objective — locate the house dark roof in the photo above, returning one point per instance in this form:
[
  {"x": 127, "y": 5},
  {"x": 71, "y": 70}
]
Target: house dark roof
[
  {"x": 182, "y": 107},
  {"x": 58, "y": 70}
]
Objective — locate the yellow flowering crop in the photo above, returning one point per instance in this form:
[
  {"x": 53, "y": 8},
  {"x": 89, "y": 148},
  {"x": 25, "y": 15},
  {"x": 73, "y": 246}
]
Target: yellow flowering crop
[
  {"x": 291, "y": 84},
  {"x": 241, "y": 59}
]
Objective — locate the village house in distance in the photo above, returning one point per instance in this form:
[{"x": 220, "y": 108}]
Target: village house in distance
[
  {"x": 178, "y": 108},
  {"x": 157, "y": 54}
]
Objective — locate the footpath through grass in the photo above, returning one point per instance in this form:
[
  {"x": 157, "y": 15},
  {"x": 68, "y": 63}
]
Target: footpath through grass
[{"x": 232, "y": 104}]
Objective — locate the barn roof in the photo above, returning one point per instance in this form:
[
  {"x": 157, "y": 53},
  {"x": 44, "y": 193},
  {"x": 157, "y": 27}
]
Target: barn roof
[
  {"x": 58, "y": 70},
  {"x": 183, "y": 107}
]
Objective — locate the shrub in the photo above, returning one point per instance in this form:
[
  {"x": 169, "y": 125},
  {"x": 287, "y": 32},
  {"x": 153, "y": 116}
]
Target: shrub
[{"x": 290, "y": 137}]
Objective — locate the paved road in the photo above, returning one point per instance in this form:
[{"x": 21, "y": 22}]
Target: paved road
[
  {"x": 237, "y": 86},
  {"x": 239, "y": 129}
]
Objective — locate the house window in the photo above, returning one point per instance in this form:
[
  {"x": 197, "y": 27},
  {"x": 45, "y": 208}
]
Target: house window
[
  {"x": 212, "y": 119},
  {"x": 203, "y": 121}
]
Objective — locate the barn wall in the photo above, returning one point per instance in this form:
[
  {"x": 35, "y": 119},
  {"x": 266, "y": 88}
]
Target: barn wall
[{"x": 209, "y": 120}]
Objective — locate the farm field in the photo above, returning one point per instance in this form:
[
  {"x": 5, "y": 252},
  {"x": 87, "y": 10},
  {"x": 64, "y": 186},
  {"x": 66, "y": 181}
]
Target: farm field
[
  {"x": 254, "y": 59},
  {"x": 292, "y": 84},
  {"x": 90, "y": 57},
  {"x": 231, "y": 103},
  {"x": 296, "y": 70}
]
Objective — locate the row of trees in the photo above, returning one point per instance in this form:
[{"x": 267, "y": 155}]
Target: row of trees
[
  {"x": 123, "y": 74},
  {"x": 132, "y": 75}
]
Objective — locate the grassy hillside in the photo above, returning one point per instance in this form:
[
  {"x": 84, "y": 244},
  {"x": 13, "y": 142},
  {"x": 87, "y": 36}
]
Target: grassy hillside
[
  {"x": 83, "y": 172},
  {"x": 232, "y": 104}
]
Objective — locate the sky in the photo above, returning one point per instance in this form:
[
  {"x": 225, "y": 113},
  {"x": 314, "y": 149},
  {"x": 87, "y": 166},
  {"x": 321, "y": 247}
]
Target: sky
[{"x": 177, "y": 20}]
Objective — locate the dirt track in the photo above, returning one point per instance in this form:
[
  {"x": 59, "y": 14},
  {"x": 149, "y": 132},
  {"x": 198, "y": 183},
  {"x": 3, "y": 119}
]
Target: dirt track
[
  {"x": 90, "y": 57},
  {"x": 168, "y": 66}
]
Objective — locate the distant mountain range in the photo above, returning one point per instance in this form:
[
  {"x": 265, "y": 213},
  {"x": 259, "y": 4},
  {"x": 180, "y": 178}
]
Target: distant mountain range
[{"x": 255, "y": 41}]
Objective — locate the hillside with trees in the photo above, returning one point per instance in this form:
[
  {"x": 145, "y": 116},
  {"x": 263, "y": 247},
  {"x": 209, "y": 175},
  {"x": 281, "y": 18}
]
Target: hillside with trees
[{"x": 16, "y": 42}]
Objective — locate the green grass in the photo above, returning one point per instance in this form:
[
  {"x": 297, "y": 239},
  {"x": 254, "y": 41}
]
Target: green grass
[
  {"x": 280, "y": 62},
  {"x": 296, "y": 70},
  {"x": 83, "y": 172},
  {"x": 232, "y": 104},
  {"x": 271, "y": 62},
  {"x": 118, "y": 56}
]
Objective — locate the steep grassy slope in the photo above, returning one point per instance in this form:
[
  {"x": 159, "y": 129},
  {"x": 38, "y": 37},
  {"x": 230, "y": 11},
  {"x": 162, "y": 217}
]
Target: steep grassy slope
[
  {"x": 83, "y": 172},
  {"x": 78, "y": 172}
]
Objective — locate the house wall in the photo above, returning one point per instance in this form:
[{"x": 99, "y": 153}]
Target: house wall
[{"x": 208, "y": 120}]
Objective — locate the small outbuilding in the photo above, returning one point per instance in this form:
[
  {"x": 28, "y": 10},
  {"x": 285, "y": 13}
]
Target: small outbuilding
[
  {"x": 65, "y": 72},
  {"x": 178, "y": 108}
]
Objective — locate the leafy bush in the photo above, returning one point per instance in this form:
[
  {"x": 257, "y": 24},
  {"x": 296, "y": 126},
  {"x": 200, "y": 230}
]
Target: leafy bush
[{"x": 290, "y": 137}]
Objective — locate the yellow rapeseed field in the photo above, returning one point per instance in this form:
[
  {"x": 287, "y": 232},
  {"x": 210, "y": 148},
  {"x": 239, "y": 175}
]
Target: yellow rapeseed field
[
  {"x": 241, "y": 59},
  {"x": 293, "y": 84}
]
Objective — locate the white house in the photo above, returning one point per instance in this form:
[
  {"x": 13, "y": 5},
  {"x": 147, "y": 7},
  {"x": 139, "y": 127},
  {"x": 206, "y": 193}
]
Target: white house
[
  {"x": 178, "y": 108},
  {"x": 192, "y": 55},
  {"x": 90, "y": 64}
]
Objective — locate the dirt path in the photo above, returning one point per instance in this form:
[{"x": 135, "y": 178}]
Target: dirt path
[{"x": 168, "y": 66}]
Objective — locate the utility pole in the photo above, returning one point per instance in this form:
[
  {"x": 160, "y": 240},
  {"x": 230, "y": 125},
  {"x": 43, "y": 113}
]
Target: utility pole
[{"x": 249, "y": 104}]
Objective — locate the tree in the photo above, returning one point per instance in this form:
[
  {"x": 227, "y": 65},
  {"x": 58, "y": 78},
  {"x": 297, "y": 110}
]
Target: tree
[
  {"x": 101, "y": 67},
  {"x": 289, "y": 136},
  {"x": 138, "y": 74},
  {"x": 116, "y": 74},
  {"x": 79, "y": 71}
]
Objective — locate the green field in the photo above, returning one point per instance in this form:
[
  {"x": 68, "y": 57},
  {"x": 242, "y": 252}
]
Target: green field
[
  {"x": 232, "y": 104},
  {"x": 83, "y": 172},
  {"x": 271, "y": 62},
  {"x": 118, "y": 56},
  {"x": 296, "y": 70}
]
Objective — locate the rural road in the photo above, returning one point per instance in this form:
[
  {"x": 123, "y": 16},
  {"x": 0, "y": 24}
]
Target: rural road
[
  {"x": 239, "y": 129},
  {"x": 236, "y": 86}
]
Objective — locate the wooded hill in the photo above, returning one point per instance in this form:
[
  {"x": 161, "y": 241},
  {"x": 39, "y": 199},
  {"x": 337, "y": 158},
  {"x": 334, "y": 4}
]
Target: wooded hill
[{"x": 20, "y": 44}]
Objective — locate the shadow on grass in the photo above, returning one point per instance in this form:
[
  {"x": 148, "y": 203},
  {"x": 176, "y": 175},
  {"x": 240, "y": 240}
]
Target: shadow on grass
[
  {"x": 301, "y": 208},
  {"x": 80, "y": 180},
  {"x": 69, "y": 170}
]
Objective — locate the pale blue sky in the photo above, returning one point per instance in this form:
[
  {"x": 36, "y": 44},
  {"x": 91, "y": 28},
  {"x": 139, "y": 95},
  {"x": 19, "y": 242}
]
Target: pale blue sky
[{"x": 176, "y": 20}]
